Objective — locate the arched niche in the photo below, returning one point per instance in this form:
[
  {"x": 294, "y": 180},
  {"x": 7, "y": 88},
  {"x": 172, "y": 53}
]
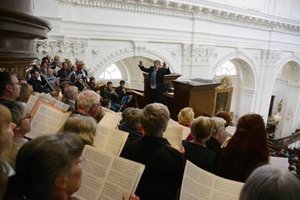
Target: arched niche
[
  {"x": 243, "y": 84},
  {"x": 286, "y": 98}
]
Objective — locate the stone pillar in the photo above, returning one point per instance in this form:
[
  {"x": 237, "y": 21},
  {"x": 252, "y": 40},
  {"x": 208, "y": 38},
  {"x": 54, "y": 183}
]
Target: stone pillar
[
  {"x": 266, "y": 80},
  {"x": 18, "y": 31}
]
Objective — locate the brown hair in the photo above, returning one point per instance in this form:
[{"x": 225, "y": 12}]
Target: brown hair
[{"x": 246, "y": 150}]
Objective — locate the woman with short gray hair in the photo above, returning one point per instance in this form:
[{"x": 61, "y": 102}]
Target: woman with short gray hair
[{"x": 270, "y": 183}]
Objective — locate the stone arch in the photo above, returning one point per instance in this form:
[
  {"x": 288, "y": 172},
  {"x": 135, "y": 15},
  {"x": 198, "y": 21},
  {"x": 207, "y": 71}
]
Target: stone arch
[
  {"x": 244, "y": 84},
  {"x": 121, "y": 54},
  {"x": 246, "y": 67},
  {"x": 282, "y": 63}
]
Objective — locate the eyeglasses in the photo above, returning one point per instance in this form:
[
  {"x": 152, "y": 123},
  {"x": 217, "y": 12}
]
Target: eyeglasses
[
  {"x": 15, "y": 83},
  {"x": 26, "y": 117},
  {"x": 79, "y": 161}
]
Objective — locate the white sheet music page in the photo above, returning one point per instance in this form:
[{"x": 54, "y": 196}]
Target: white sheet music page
[{"x": 199, "y": 184}]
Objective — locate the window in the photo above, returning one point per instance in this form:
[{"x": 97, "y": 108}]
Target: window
[
  {"x": 227, "y": 69},
  {"x": 112, "y": 72}
]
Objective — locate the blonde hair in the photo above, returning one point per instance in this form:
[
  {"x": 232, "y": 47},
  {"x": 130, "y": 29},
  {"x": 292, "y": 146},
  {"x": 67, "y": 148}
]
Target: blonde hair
[
  {"x": 5, "y": 120},
  {"x": 186, "y": 116},
  {"x": 86, "y": 99},
  {"x": 202, "y": 127},
  {"x": 84, "y": 126}
]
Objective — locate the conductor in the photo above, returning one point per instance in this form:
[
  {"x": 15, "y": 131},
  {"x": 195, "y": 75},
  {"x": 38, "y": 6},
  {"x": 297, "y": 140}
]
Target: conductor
[{"x": 156, "y": 86}]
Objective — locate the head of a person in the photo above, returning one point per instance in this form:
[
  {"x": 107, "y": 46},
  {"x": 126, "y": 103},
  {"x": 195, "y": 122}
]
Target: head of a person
[
  {"x": 155, "y": 119},
  {"x": 122, "y": 83},
  {"x": 157, "y": 63},
  {"x": 6, "y": 129},
  {"x": 92, "y": 80},
  {"x": 71, "y": 93},
  {"x": 132, "y": 117},
  {"x": 270, "y": 183},
  {"x": 19, "y": 117},
  {"x": 186, "y": 116},
  {"x": 109, "y": 85},
  {"x": 65, "y": 65},
  {"x": 249, "y": 139},
  {"x": 202, "y": 128},
  {"x": 35, "y": 74},
  {"x": 218, "y": 125},
  {"x": 49, "y": 71},
  {"x": 25, "y": 92},
  {"x": 80, "y": 65},
  {"x": 9, "y": 86},
  {"x": 84, "y": 126},
  {"x": 44, "y": 63},
  {"x": 48, "y": 167},
  {"x": 226, "y": 116},
  {"x": 88, "y": 102},
  {"x": 57, "y": 58}
]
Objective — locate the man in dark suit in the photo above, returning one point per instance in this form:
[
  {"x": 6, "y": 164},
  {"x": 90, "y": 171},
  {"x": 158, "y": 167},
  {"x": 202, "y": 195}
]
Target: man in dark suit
[{"x": 156, "y": 86}]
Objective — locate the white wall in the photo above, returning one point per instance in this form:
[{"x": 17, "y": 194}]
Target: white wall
[{"x": 193, "y": 38}]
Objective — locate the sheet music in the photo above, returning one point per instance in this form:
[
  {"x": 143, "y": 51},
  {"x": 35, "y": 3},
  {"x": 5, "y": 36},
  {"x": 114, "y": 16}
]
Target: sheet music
[
  {"x": 30, "y": 103},
  {"x": 186, "y": 130},
  {"x": 279, "y": 162},
  {"x": 110, "y": 140},
  {"x": 110, "y": 120},
  {"x": 199, "y": 184},
  {"x": 46, "y": 121},
  {"x": 106, "y": 176},
  {"x": 174, "y": 135},
  {"x": 231, "y": 130},
  {"x": 95, "y": 170}
]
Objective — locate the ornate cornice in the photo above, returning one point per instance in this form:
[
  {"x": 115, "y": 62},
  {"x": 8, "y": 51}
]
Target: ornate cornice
[{"x": 194, "y": 10}]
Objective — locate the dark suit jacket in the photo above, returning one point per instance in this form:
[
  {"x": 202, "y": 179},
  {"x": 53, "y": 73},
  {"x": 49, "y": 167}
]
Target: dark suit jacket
[{"x": 160, "y": 86}]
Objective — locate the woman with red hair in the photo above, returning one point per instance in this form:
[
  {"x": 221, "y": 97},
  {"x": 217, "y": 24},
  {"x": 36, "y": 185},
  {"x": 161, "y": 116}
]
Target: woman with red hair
[{"x": 246, "y": 150}]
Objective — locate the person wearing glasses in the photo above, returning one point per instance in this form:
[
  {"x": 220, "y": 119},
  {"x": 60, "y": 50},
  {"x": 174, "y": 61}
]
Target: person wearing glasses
[
  {"x": 22, "y": 121},
  {"x": 48, "y": 167},
  {"x": 9, "y": 86}
]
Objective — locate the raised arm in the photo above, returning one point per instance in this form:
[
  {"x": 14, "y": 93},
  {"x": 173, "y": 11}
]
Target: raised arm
[
  {"x": 141, "y": 66},
  {"x": 166, "y": 69}
]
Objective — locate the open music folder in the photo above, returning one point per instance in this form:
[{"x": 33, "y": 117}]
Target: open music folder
[{"x": 105, "y": 176}]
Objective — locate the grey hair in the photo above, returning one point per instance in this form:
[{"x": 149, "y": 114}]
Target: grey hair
[
  {"x": 155, "y": 118},
  {"x": 270, "y": 183},
  {"x": 87, "y": 98}
]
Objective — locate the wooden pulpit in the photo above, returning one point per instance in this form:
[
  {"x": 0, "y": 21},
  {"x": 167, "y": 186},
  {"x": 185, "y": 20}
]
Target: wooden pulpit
[{"x": 198, "y": 94}]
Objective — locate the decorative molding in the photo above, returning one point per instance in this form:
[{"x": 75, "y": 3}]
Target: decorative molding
[
  {"x": 269, "y": 58},
  {"x": 198, "y": 55},
  {"x": 72, "y": 49},
  {"x": 195, "y": 11}
]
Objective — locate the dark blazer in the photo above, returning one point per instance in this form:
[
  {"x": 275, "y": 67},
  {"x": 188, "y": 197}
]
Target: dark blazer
[
  {"x": 160, "y": 86},
  {"x": 164, "y": 167}
]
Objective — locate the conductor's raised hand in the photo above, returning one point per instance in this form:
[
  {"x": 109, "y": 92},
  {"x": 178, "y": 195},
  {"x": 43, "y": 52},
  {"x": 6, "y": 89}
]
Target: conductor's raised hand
[{"x": 141, "y": 63}]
